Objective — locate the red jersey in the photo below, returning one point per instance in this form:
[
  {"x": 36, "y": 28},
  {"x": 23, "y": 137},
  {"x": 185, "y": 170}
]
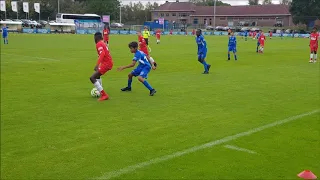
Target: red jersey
[
  {"x": 193, "y": 32},
  {"x": 105, "y": 59},
  {"x": 254, "y": 34},
  {"x": 143, "y": 45},
  {"x": 158, "y": 33},
  {"x": 106, "y": 34},
  {"x": 262, "y": 38},
  {"x": 314, "y": 37},
  {"x": 270, "y": 34},
  {"x": 171, "y": 32}
]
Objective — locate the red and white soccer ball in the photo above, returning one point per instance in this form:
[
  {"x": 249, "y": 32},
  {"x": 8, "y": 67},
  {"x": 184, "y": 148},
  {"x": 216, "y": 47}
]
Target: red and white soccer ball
[{"x": 95, "y": 93}]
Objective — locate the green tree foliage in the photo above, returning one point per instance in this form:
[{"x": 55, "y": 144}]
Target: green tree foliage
[
  {"x": 285, "y": 2},
  {"x": 266, "y": 2},
  {"x": 305, "y": 11},
  {"x": 253, "y": 2}
]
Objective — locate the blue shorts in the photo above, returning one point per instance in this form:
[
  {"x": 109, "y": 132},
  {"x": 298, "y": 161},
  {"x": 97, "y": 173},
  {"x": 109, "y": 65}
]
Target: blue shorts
[
  {"x": 4, "y": 35},
  {"x": 258, "y": 43},
  {"x": 141, "y": 71},
  {"x": 202, "y": 56},
  {"x": 232, "y": 49}
]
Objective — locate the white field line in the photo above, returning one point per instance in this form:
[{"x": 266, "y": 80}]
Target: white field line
[
  {"x": 33, "y": 57},
  {"x": 129, "y": 169},
  {"x": 239, "y": 149}
]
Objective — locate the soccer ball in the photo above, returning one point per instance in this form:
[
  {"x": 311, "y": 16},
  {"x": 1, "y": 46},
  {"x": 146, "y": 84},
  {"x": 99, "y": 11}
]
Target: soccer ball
[{"x": 95, "y": 93}]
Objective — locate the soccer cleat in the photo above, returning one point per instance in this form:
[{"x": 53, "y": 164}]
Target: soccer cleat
[
  {"x": 206, "y": 72},
  {"x": 103, "y": 97},
  {"x": 228, "y": 59},
  {"x": 155, "y": 64},
  {"x": 311, "y": 61},
  {"x": 209, "y": 66},
  {"x": 152, "y": 92},
  {"x": 126, "y": 89}
]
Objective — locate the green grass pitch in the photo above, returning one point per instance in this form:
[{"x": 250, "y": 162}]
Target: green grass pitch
[{"x": 51, "y": 128}]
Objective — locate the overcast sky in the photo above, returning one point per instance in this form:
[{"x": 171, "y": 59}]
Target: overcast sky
[{"x": 232, "y": 2}]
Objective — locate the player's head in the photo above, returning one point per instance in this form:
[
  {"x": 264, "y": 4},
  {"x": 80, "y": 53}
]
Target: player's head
[
  {"x": 145, "y": 28},
  {"x": 139, "y": 33},
  {"x": 98, "y": 37},
  {"x": 4, "y": 25},
  {"x": 198, "y": 33},
  {"x": 133, "y": 47},
  {"x": 314, "y": 29}
]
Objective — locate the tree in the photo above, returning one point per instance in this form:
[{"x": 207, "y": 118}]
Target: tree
[
  {"x": 266, "y": 2},
  {"x": 253, "y": 2},
  {"x": 305, "y": 11},
  {"x": 285, "y": 2},
  {"x": 208, "y": 3}
]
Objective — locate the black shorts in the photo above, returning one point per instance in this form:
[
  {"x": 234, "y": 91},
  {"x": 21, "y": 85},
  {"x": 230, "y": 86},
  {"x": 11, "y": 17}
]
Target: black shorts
[{"x": 147, "y": 40}]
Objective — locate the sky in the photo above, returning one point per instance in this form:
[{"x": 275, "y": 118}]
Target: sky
[{"x": 232, "y": 2}]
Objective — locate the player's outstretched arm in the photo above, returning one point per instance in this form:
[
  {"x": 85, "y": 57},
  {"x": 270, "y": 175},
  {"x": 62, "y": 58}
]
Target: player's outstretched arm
[{"x": 128, "y": 66}]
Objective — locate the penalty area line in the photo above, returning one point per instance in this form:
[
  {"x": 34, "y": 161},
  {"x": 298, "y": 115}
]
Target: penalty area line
[
  {"x": 133, "y": 168},
  {"x": 239, "y": 149}
]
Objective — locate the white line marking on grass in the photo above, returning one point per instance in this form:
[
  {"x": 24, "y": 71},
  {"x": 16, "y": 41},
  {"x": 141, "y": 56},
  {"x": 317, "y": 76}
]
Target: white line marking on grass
[
  {"x": 39, "y": 58},
  {"x": 129, "y": 169},
  {"x": 239, "y": 149}
]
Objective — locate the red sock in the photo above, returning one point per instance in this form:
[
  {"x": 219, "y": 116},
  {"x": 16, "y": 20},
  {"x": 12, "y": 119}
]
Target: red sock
[{"x": 103, "y": 93}]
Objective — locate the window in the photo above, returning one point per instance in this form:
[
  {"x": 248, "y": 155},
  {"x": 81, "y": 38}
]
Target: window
[
  {"x": 210, "y": 22},
  {"x": 174, "y": 14},
  {"x": 161, "y": 15},
  {"x": 195, "y": 21},
  {"x": 167, "y": 14},
  {"x": 205, "y": 21},
  {"x": 259, "y": 18}
]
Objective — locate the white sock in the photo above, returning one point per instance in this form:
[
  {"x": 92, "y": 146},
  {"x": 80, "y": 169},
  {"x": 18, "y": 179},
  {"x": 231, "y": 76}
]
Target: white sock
[
  {"x": 315, "y": 57},
  {"x": 98, "y": 86},
  {"x": 100, "y": 81},
  {"x": 262, "y": 49},
  {"x": 151, "y": 60},
  {"x": 311, "y": 57}
]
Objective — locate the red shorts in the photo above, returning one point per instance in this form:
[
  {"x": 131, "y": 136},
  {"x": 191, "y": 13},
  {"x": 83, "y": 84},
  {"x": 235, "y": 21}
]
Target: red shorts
[
  {"x": 158, "y": 36},
  {"x": 262, "y": 44},
  {"x": 104, "y": 68},
  {"x": 313, "y": 48},
  {"x": 145, "y": 51}
]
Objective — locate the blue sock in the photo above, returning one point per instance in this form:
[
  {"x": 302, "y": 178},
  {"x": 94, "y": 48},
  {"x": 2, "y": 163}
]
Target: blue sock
[
  {"x": 4, "y": 41},
  {"x": 147, "y": 85},
  {"x": 129, "y": 83},
  {"x": 205, "y": 65},
  {"x": 228, "y": 55},
  {"x": 257, "y": 48},
  {"x": 235, "y": 57}
]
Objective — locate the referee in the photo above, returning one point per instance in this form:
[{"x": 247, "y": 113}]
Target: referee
[{"x": 146, "y": 35}]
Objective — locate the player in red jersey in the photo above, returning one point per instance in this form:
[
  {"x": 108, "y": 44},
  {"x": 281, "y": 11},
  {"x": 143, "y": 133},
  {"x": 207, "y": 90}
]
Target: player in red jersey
[
  {"x": 193, "y": 32},
  {"x": 262, "y": 39},
  {"x": 270, "y": 34},
  {"x": 254, "y": 35},
  {"x": 104, "y": 64},
  {"x": 171, "y": 31},
  {"x": 144, "y": 48},
  {"x": 106, "y": 32},
  {"x": 158, "y": 35},
  {"x": 314, "y": 38}
]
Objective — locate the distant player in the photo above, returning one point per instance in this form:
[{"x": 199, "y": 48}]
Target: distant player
[
  {"x": 314, "y": 43},
  {"x": 262, "y": 39},
  {"x": 202, "y": 51},
  {"x": 144, "y": 48},
  {"x": 270, "y": 34},
  {"x": 171, "y": 32},
  {"x": 146, "y": 35},
  {"x": 193, "y": 32},
  {"x": 232, "y": 46},
  {"x": 281, "y": 34},
  {"x": 106, "y": 32},
  {"x": 258, "y": 42},
  {"x": 141, "y": 71},
  {"x": 103, "y": 65},
  {"x": 245, "y": 35},
  {"x": 254, "y": 34},
  {"x": 158, "y": 35},
  {"x": 5, "y": 34}
]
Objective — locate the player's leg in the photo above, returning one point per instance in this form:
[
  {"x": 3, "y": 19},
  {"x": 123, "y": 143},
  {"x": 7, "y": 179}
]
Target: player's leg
[
  {"x": 142, "y": 78},
  {"x": 130, "y": 76},
  {"x": 151, "y": 60},
  {"x": 315, "y": 56},
  {"x": 228, "y": 54},
  {"x": 201, "y": 59},
  {"x": 258, "y": 45},
  {"x": 261, "y": 48},
  {"x": 96, "y": 75},
  {"x": 311, "y": 55},
  {"x": 235, "y": 53}
]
